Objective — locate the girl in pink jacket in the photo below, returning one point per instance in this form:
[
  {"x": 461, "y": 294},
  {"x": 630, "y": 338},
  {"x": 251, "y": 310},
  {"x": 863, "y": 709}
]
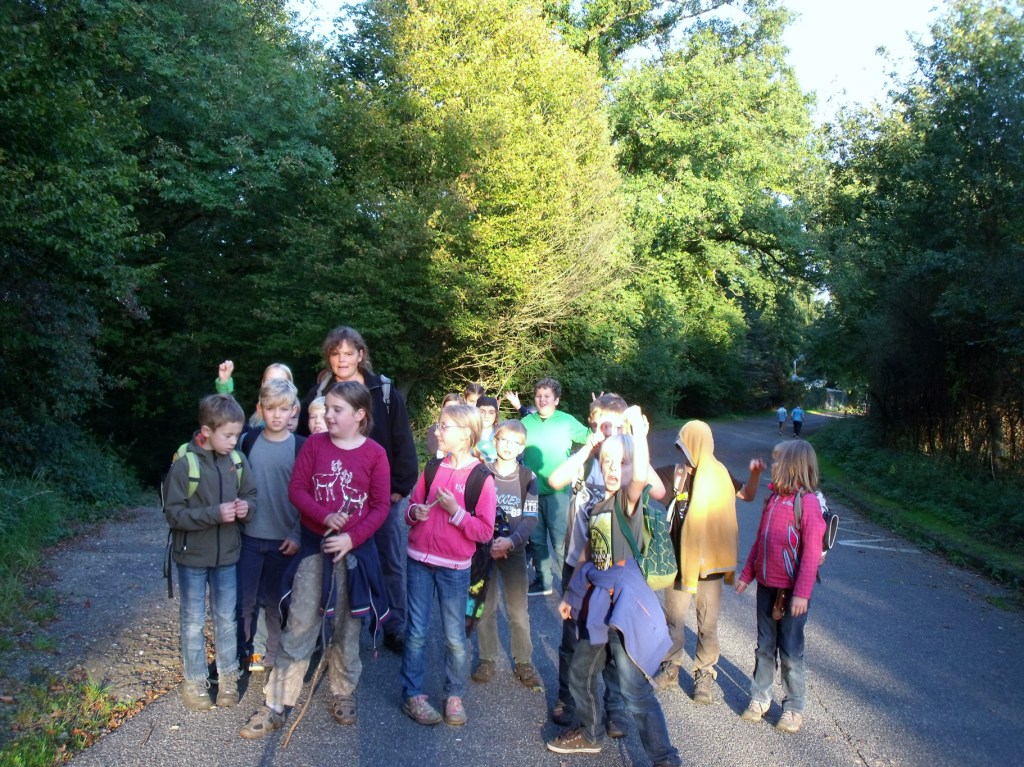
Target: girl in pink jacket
[{"x": 784, "y": 560}]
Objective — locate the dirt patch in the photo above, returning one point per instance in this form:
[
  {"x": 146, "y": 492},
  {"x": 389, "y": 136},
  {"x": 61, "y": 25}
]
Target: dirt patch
[{"x": 114, "y": 620}]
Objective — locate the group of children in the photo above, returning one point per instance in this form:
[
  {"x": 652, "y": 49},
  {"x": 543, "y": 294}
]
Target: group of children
[{"x": 304, "y": 514}]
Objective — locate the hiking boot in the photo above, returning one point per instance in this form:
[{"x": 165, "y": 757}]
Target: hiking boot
[
  {"x": 755, "y": 711},
  {"x": 538, "y": 589},
  {"x": 484, "y": 672},
  {"x": 395, "y": 643},
  {"x": 527, "y": 676},
  {"x": 195, "y": 694},
  {"x": 264, "y": 721},
  {"x": 227, "y": 690},
  {"x": 562, "y": 713},
  {"x": 454, "y": 712},
  {"x": 790, "y": 721},
  {"x": 703, "y": 687},
  {"x": 616, "y": 727},
  {"x": 418, "y": 709},
  {"x": 343, "y": 710},
  {"x": 573, "y": 742},
  {"x": 256, "y": 663},
  {"x": 667, "y": 677}
]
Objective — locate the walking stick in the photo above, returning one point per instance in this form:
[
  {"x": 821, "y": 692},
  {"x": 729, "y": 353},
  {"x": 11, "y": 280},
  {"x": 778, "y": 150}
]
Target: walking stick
[{"x": 318, "y": 674}]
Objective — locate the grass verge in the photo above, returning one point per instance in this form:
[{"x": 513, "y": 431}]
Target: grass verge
[{"x": 959, "y": 511}]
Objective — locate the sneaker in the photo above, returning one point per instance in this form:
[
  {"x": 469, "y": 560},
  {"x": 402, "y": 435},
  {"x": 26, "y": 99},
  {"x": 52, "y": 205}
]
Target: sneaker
[
  {"x": 562, "y": 714},
  {"x": 418, "y": 709},
  {"x": 484, "y": 672},
  {"x": 703, "y": 687},
  {"x": 527, "y": 676},
  {"x": 227, "y": 690},
  {"x": 196, "y": 695},
  {"x": 667, "y": 677},
  {"x": 790, "y": 721},
  {"x": 755, "y": 711},
  {"x": 256, "y": 663},
  {"x": 573, "y": 742},
  {"x": 454, "y": 712},
  {"x": 538, "y": 589},
  {"x": 264, "y": 721}
]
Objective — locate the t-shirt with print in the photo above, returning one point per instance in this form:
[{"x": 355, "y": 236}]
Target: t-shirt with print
[
  {"x": 520, "y": 513},
  {"x": 608, "y": 545}
]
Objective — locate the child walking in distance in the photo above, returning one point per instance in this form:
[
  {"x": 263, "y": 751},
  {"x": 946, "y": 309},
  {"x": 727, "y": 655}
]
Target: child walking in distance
[
  {"x": 615, "y": 609},
  {"x": 205, "y": 514},
  {"x": 784, "y": 561},
  {"x": 516, "y": 488},
  {"x": 341, "y": 486},
  {"x": 271, "y": 540},
  {"x": 443, "y": 534}
]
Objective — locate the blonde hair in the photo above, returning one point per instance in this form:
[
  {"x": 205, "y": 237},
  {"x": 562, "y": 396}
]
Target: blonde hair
[
  {"x": 626, "y": 440},
  {"x": 278, "y": 392},
  {"x": 319, "y": 405},
  {"x": 794, "y": 467},
  {"x": 468, "y": 417},
  {"x": 511, "y": 425},
  {"x": 278, "y": 366}
]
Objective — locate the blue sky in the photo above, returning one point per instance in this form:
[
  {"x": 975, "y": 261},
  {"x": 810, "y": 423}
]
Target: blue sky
[{"x": 832, "y": 44}]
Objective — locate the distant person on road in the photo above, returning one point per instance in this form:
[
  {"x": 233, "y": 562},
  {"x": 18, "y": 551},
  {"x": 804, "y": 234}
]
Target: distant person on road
[
  {"x": 550, "y": 435},
  {"x": 615, "y": 610},
  {"x": 782, "y": 413},
  {"x": 702, "y": 503},
  {"x": 341, "y": 486},
  {"x": 348, "y": 359},
  {"x": 208, "y": 495},
  {"x": 784, "y": 561},
  {"x": 798, "y": 420}
]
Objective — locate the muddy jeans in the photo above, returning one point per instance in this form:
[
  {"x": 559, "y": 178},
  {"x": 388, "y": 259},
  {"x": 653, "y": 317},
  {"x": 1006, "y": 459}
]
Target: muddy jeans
[{"x": 299, "y": 638}]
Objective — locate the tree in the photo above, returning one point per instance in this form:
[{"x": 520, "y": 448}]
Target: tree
[{"x": 926, "y": 239}]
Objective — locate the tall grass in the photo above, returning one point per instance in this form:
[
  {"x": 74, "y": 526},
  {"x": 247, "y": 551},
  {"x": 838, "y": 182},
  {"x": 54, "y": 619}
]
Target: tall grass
[{"x": 958, "y": 508}]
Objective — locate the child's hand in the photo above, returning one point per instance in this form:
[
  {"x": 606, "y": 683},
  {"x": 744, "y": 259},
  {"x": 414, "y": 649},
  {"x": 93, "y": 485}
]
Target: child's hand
[
  {"x": 513, "y": 399},
  {"x": 500, "y": 547},
  {"x": 227, "y": 512},
  {"x": 564, "y": 610},
  {"x": 757, "y": 465},
  {"x": 419, "y": 512},
  {"x": 741, "y": 586},
  {"x": 336, "y": 521},
  {"x": 797, "y": 606},
  {"x": 446, "y": 500},
  {"x": 224, "y": 371},
  {"x": 241, "y": 508},
  {"x": 595, "y": 439},
  {"x": 636, "y": 420},
  {"x": 339, "y": 545},
  {"x": 289, "y": 547}
]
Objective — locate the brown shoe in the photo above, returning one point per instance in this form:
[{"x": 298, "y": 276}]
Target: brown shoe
[
  {"x": 527, "y": 676},
  {"x": 667, "y": 677},
  {"x": 703, "y": 688},
  {"x": 263, "y": 722},
  {"x": 484, "y": 672},
  {"x": 196, "y": 695},
  {"x": 343, "y": 710}
]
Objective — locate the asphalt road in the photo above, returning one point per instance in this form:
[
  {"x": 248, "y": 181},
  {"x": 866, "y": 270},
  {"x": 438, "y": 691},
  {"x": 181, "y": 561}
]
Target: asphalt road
[{"x": 909, "y": 664}]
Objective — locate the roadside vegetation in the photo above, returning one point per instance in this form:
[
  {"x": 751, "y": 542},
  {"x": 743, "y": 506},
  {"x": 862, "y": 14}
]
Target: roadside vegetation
[{"x": 956, "y": 508}]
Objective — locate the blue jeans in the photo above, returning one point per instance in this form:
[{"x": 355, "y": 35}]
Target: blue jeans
[
  {"x": 785, "y": 637},
  {"x": 637, "y": 692},
  {"x": 260, "y": 578},
  {"x": 613, "y": 705},
  {"x": 551, "y": 517},
  {"x": 452, "y": 590},
  {"x": 391, "y": 546},
  {"x": 192, "y": 618}
]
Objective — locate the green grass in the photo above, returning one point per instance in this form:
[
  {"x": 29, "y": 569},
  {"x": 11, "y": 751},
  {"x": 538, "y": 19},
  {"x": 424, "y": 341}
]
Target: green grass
[
  {"x": 55, "y": 718},
  {"x": 957, "y": 510}
]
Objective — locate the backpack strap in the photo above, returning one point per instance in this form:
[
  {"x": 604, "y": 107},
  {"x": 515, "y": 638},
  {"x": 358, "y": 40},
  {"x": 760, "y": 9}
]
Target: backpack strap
[
  {"x": 193, "y": 472},
  {"x": 798, "y": 508},
  {"x": 385, "y": 385},
  {"x": 525, "y": 475}
]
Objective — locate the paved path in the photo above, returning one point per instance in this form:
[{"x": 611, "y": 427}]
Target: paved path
[{"x": 909, "y": 661}]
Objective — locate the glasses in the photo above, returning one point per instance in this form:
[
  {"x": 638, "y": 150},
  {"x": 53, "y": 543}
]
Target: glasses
[{"x": 513, "y": 442}]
